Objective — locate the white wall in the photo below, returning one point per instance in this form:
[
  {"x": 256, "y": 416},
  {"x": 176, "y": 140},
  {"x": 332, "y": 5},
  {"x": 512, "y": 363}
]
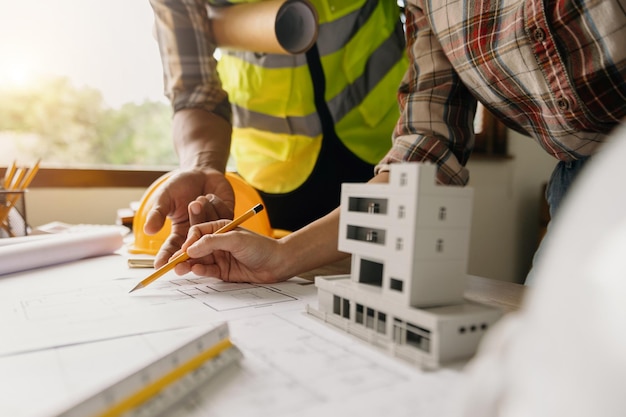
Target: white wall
[
  {"x": 505, "y": 218},
  {"x": 505, "y": 222},
  {"x": 78, "y": 205}
]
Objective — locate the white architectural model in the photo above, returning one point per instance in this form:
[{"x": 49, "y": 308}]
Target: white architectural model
[{"x": 409, "y": 241}]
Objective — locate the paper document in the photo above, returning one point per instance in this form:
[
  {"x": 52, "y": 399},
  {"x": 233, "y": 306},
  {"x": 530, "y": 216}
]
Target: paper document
[
  {"x": 59, "y": 248},
  {"x": 293, "y": 365},
  {"x": 88, "y": 300}
]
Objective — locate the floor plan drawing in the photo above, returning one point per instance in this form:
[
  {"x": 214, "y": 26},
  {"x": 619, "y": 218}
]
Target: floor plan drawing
[
  {"x": 232, "y": 296},
  {"x": 339, "y": 376},
  {"x": 79, "y": 309}
]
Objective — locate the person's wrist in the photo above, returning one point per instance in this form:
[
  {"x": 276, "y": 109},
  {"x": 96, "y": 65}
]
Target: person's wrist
[
  {"x": 283, "y": 262},
  {"x": 203, "y": 161},
  {"x": 201, "y": 139}
]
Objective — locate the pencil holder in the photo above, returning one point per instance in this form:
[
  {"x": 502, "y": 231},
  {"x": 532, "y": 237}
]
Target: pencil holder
[{"x": 12, "y": 214}]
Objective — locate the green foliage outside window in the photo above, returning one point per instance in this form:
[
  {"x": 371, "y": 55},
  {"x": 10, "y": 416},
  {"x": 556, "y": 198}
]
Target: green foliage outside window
[{"x": 68, "y": 126}]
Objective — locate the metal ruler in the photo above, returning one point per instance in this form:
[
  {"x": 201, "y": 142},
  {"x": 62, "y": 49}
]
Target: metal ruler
[{"x": 158, "y": 386}]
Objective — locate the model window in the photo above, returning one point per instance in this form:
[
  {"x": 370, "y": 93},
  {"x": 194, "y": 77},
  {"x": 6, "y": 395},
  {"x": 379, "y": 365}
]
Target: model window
[
  {"x": 359, "y": 313},
  {"x": 396, "y": 284},
  {"x": 381, "y": 323}
]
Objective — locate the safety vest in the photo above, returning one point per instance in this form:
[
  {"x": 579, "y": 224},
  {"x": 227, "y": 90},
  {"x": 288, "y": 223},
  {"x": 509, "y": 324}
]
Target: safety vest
[{"x": 277, "y": 133}]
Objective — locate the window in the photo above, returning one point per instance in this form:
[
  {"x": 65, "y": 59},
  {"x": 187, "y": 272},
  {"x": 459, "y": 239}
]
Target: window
[
  {"x": 409, "y": 334},
  {"x": 367, "y": 205},
  {"x": 416, "y": 339},
  {"x": 401, "y": 212},
  {"x": 346, "y": 308},
  {"x": 369, "y": 318},
  {"x": 81, "y": 86},
  {"x": 371, "y": 273},
  {"x": 336, "y": 304},
  {"x": 396, "y": 284},
  {"x": 381, "y": 323},
  {"x": 341, "y": 306},
  {"x": 359, "y": 314},
  {"x": 366, "y": 234}
]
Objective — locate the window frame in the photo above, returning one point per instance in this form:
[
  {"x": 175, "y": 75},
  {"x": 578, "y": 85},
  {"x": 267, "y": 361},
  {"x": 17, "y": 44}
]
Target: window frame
[{"x": 94, "y": 177}]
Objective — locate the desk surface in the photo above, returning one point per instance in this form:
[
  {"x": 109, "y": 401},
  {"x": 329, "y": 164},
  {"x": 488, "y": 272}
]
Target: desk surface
[{"x": 293, "y": 364}]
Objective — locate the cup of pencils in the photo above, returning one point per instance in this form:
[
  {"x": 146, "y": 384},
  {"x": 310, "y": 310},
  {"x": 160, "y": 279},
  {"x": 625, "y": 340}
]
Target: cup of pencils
[{"x": 12, "y": 202}]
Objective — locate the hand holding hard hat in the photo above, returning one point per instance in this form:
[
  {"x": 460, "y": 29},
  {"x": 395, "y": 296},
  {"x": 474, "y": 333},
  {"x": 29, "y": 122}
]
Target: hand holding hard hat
[{"x": 245, "y": 197}]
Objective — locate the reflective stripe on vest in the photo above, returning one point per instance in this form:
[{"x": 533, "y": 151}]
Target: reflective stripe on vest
[{"x": 276, "y": 130}]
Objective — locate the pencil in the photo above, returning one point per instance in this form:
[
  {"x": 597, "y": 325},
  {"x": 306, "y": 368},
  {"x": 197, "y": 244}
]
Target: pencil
[
  {"x": 183, "y": 256},
  {"x": 8, "y": 175},
  {"x": 30, "y": 175},
  {"x": 18, "y": 180}
]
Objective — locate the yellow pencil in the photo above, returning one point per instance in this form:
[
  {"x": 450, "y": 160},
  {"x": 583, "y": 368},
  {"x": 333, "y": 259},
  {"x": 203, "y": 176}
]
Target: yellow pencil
[
  {"x": 183, "y": 256},
  {"x": 29, "y": 176},
  {"x": 18, "y": 180},
  {"x": 8, "y": 175}
]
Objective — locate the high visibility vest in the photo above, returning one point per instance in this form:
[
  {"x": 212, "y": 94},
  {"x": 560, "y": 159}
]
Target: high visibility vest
[{"x": 277, "y": 133}]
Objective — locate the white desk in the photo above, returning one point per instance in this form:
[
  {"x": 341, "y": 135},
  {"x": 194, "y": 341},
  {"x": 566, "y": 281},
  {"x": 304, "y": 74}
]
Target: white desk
[{"x": 293, "y": 364}]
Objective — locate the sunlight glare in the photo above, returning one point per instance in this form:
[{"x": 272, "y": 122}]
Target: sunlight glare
[{"x": 17, "y": 74}]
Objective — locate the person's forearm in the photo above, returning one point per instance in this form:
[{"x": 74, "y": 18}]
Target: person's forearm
[
  {"x": 201, "y": 139},
  {"x": 315, "y": 245},
  {"x": 311, "y": 247}
]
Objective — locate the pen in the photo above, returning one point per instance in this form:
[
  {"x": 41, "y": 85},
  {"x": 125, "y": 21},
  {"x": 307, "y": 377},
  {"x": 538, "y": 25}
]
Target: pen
[{"x": 183, "y": 256}]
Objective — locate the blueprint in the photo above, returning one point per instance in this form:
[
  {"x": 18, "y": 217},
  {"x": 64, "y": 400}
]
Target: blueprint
[
  {"x": 293, "y": 365},
  {"x": 73, "y": 330},
  {"x": 64, "y": 305}
]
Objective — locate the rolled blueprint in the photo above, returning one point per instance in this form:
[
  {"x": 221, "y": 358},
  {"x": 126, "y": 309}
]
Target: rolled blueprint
[
  {"x": 273, "y": 26},
  {"x": 57, "y": 248}
]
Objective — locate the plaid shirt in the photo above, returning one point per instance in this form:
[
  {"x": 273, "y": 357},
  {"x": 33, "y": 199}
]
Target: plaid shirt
[
  {"x": 554, "y": 71},
  {"x": 189, "y": 67}
]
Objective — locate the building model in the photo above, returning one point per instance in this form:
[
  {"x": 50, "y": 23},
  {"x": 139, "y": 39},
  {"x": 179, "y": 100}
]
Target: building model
[{"x": 409, "y": 241}]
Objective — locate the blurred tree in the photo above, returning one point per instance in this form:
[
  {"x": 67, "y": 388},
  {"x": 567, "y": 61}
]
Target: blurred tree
[{"x": 70, "y": 126}]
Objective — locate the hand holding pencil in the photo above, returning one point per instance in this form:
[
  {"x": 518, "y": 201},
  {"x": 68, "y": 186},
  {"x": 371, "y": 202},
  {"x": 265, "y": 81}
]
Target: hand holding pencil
[
  {"x": 183, "y": 256},
  {"x": 244, "y": 255}
]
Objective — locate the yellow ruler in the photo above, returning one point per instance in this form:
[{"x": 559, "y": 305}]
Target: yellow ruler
[{"x": 164, "y": 382}]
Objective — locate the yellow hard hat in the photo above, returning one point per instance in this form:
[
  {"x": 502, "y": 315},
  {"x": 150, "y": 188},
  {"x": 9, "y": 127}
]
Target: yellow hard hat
[{"x": 245, "y": 197}]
